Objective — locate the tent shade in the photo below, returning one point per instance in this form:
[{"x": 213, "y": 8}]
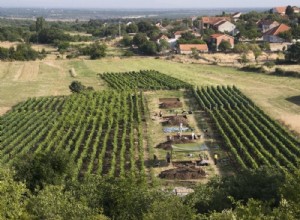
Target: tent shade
[{"x": 189, "y": 147}]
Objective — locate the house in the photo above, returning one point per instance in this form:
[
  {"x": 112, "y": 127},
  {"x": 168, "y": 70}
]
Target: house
[
  {"x": 296, "y": 9},
  {"x": 208, "y": 22},
  {"x": 162, "y": 37},
  {"x": 188, "y": 48},
  {"x": 271, "y": 35},
  {"x": 236, "y": 16},
  {"x": 279, "y": 10},
  {"x": 225, "y": 26},
  {"x": 216, "y": 39},
  {"x": 266, "y": 25},
  {"x": 178, "y": 34}
]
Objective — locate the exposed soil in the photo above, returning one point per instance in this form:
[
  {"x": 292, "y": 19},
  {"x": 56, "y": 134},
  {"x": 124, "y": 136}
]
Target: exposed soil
[
  {"x": 184, "y": 173},
  {"x": 169, "y": 100},
  {"x": 171, "y": 104},
  {"x": 168, "y": 144},
  {"x": 175, "y": 120}
]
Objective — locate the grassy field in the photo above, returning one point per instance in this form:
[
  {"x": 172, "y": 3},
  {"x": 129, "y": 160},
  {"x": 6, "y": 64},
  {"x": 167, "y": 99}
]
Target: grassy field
[{"x": 20, "y": 80}]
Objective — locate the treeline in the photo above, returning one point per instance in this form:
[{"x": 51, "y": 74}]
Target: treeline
[
  {"x": 23, "y": 52},
  {"x": 40, "y": 187}
]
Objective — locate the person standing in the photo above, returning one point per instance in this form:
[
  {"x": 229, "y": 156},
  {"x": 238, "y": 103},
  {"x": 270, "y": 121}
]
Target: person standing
[
  {"x": 168, "y": 158},
  {"x": 216, "y": 157}
]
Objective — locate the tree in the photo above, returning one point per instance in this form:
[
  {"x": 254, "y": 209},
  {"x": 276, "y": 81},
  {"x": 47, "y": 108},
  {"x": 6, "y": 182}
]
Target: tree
[
  {"x": 54, "y": 202},
  {"x": 78, "y": 87},
  {"x": 38, "y": 170},
  {"x": 40, "y": 24},
  {"x": 169, "y": 208},
  {"x": 139, "y": 39},
  {"x": 224, "y": 46},
  {"x": 256, "y": 51},
  {"x": 132, "y": 28},
  {"x": 13, "y": 198},
  {"x": 97, "y": 50},
  {"x": 293, "y": 53},
  {"x": 163, "y": 46},
  {"x": 289, "y": 11},
  {"x": 148, "y": 48}
]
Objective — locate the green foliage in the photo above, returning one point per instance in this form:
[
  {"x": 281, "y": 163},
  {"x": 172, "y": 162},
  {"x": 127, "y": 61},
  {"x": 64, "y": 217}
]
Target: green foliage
[
  {"x": 50, "y": 36},
  {"x": 38, "y": 170},
  {"x": 148, "y": 48},
  {"x": 139, "y": 39},
  {"x": 163, "y": 46},
  {"x": 54, "y": 202},
  {"x": 78, "y": 87},
  {"x": 97, "y": 50},
  {"x": 144, "y": 79},
  {"x": 23, "y": 52},
  {"x": 126, "y": 41},
  {"x": 224, "y": 46},
  {"x": 168, "y": 209},
  {"x": 132, "y": 28},
  {"x": 293, "y": 53},
  {"x": 40, "y": 24},
  {"x": 263, "y": 184},
  {"x": 289, "y": 11},
  {"x": 12, "y": 197}
]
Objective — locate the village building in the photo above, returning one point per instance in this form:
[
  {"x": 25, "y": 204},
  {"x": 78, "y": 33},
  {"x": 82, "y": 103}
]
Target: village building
[
  {"x": 216, "y": 39},
  {"x": 188, "y": 48},
  {"x": 279, "y": 10},
  {"x": 225, "y": 26},
  {"x": 236, "y": 16},
  {"x": 265, "y": 25},
  {"x": 271, "y": 36},
  {"x": 209, "y": 22}
]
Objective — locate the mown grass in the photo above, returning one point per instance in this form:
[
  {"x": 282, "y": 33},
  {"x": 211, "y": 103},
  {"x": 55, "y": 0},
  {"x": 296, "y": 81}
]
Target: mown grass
[{"x": 269, "y": 92}]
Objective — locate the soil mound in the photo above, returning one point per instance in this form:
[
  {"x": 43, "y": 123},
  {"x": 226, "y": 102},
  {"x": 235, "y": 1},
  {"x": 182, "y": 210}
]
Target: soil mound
[{"x": 183, "y": 173}]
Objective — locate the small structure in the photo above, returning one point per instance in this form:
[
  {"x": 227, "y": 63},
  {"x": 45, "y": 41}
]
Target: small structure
[
  {"x": 208, "y": 22},
  {"x": 188, "y": 48},
  {"x": 271, "y": 36},
  {"x": 225, "y": 26},
  {"x": 266, "y": 25},
  {"x": 236, "y": 16},
  {"x": 216, "y": 39},
  {"x": 279, "y": 10}
]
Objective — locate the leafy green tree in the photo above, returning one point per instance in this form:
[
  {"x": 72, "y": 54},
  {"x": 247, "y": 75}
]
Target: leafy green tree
[
  {"x": 163, "y": 46},
  {"x": 139, "y": 39},
  {"x": 169, "y": 208},
  {"x": 148, "y": 48},
  {"x": 293, "y": 53},
  {"x": 78, "y": 87},
  {"x": 40, "y": 24},
  {"x": 132, "y": 28},
  {"x": 126, "y": 41},
  {"x": 38, "y": 170},
  {"x": 13, "y": 197},
  {"x": 224, "y": 46},
  {"x": 97, "y": 50},
  {"x": 54, "y": 202},
  {"x": 289, "y": 11}
]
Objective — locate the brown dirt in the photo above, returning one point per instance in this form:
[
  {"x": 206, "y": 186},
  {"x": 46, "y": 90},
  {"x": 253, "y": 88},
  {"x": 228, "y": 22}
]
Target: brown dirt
[
  {"x": 171, "y": 104},
  {"x": 175, "y": 120},
  {"x": 185, "y": 173},
  {"x": 168, "y": 144},
  {"x": 169, "y": 100}
]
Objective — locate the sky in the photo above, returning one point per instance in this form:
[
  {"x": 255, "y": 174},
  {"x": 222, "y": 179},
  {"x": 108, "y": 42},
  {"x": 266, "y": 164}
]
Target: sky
[{"x": 146, "y": 3}]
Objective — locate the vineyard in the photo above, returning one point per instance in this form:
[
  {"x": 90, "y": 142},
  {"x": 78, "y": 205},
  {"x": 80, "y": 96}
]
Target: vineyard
[
  {"x": 252, "y": 138},
  {"x": 144, "y": 79},
  {"x": 102, "y": 132}
]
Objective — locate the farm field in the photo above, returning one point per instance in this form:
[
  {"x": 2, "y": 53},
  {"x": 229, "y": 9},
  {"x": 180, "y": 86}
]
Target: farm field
[
  {"x": 21, "y": 80},
  {"x": 102, "y": 131}
]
